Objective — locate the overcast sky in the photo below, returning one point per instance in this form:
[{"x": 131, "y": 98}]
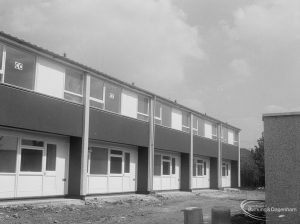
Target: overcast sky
[{"x": 233, "y": 60}]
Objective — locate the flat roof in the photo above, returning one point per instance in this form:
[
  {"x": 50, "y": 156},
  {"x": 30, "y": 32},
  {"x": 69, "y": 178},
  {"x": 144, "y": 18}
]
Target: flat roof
[
  {"x": 56, "y": 56},
  {"x": 281, "y": 114}
]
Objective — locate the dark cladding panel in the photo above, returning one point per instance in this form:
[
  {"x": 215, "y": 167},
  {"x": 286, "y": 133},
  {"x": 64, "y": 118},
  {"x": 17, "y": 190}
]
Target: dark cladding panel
[
  {"x": 205, "y": 147},
  {"x": 142, "y": 178},
  {"x": 234, "y": 173},
  {"x": 106, "y": 126},
  {"x": 185, "y": 170},
  {"x": 33, "y": 111},
  {"x": 213, "y": 173},
  {"x": 230, "y": 152},
  {"x": 168, "y": 139}
]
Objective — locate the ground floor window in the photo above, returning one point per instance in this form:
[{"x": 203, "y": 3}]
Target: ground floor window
[
  {"x": 8, "y": 154},
  {"x": 199, "y": 167},
  {"x": 105, "y": 161},
  {"x": 164, "y": 165}
]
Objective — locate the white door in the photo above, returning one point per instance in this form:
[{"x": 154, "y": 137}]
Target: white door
[
  {"x": 201, "y": 169},
  {"x": 166, "y": 171},
  {"x": 226, "y": 174}
]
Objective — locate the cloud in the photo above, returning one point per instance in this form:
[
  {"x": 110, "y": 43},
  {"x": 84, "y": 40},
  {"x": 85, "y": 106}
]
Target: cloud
[
  {"x": 240, "y": 68},
  {"x": 268, "y": 22},
  {"x": 146, "y": 42}
]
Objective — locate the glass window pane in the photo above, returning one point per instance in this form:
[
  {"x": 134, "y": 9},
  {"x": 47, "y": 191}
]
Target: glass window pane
[
  {"x": 200, "y": 127},
  {"x": 143, "y": 104},
  {"x": 185, "y": 119},
  {"x": 8, "y": 154},
  {"x": 112, "y": 98},
  {"x": 116, "y": 152},
  {"x": 157, "y": 165},
  {"x": 74, "y": 81},
  {"x": 99, "y": 160},
  {"x": 195, "y": 122},
  {"x": 51, "y": 157},
  {"x": 194, "y": 168},
  {"x": 19, "y": 68},
  {"x": 204, "y": 169},
  {"x": 97, "y": 86},
  {"x": 173, "y": 165},
  {"x": 32, "y": 143},
  {"x": 199, "y": 170},
  {"x": 127, "y": 163},
  {"x": 157, "y": 109},
  {"x": 73, "y": 98},
  {"x": 1, "y": 55},
  {"x": 223, "y": 171},
  {"x": 166, "y": 115},
  {"x": 166, "y": 157},
  {"x": 96, "y": 104},
  {"x": 115, "y": 165},
  {"x": 31, "y": 160},
  {"x": 166, "y": 168}
]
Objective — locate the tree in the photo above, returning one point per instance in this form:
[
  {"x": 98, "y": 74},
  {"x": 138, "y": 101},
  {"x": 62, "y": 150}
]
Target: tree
[{"x": 258, "y": 155}]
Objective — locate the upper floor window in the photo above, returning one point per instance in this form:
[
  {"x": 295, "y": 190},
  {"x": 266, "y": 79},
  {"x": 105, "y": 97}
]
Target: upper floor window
[
  {"x": 224, "y": 134},
  {"x": 195, "y": 125},
  {"x": 19, "y": 68},
  {"x": 230, "y": 137},
  {"x": 112, "y": 98},
  {"x": 1, "y": 63},
  {"x": 166, "y": 116},
  {"x": 97, "y": 93},
  {"x": 73, "y": 85},
  {"x": 158, "y": 113},
  {"x": 185, "y": 121},
  {"x": 208, "y": 129},
  {"x": 214, "y": 131},
  {"x": 143, "y": 108},
  {"x": 236, "y": 138}
]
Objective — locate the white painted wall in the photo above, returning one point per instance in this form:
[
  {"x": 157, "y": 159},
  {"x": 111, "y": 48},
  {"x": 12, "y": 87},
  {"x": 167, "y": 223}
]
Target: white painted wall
[
  {"x": 129, "y": 103},
  {"x": 207, "y": 129},
  {"x": 176, "y": 119},
  {"x": 49, "y": 78}
]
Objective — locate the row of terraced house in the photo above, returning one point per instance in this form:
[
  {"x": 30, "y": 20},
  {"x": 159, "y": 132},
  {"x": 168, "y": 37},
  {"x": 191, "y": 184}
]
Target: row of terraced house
[{"x": 69, "y": 130}]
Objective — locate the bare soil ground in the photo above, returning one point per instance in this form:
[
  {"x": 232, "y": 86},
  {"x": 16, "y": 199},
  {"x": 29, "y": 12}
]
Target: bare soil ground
[{"x": 160, "y": 208}]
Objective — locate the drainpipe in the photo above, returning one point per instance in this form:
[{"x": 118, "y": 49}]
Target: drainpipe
[
  {"x": 239, "y": 161},
  {"x": 191, "y": 153},
  {"x": 151, "y": 145},
  {"x": 85, "y": 137},
  {"x": 219, "y": 166}
]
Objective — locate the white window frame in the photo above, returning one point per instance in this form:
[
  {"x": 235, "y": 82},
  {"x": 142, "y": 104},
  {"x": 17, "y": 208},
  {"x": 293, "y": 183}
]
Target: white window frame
[
  {"x": 109, "y": 155},
  {"x": 183, "y": 126},
  {"x": 2, "y": 70},
  {"x": 196, "y": 162},
  {"x": 214, "y": 136},
  {"x": 43, "y": 149},
  {"x": 98, "y": 100},
  {"x": 72, "y": 93},
  {"x": 170, "y": 166},
  {"x": 140, "y": 113},
  {"x": 160, "y": 114},
  {"x": 196, "y": 129}
]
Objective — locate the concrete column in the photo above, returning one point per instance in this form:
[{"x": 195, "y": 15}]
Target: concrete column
[
  {"x": 239, "y": 161},
  {"x": 151, "y": 144},
  {"x": 85, "y": 137},
  {"x": 219, "y": 167},
  {"x": 191, "y": 152}
]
